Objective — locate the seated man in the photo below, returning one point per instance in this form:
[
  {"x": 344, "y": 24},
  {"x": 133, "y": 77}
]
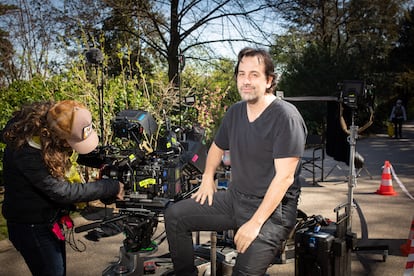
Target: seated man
[{"x": 266, "y": 137}]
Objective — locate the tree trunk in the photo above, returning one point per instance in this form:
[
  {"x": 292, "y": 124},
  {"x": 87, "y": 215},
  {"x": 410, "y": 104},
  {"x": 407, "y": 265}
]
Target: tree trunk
[{"x": 173, "y": 64}]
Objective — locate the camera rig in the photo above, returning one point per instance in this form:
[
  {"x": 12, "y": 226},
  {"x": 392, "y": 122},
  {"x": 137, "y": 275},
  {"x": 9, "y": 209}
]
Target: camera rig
[
  {"x": 153, "y": 168},
  {"x": 155, "y": 172}
]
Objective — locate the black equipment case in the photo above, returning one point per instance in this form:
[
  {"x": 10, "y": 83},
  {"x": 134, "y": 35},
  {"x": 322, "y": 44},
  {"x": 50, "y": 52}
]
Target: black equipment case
[{"x": 324, "y": 250}]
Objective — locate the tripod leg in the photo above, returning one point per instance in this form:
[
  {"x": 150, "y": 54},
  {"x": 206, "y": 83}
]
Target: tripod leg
[{"x": 366, "y": 170}]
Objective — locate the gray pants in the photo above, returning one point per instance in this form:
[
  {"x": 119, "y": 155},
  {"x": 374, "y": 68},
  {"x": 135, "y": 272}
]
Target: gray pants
[{"x": 230, "y": 210}]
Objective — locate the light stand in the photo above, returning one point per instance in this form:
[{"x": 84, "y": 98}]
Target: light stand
[
  {"x": 101, "y": 105},
  {"x": 181, "y": 65},
  {"x": 95, "y": 57},
  {"x": 351, "y": 202},
  {"x": 352, "y": 179}
]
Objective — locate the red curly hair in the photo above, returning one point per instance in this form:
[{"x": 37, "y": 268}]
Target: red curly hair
[{"x": 31, "y": 121}]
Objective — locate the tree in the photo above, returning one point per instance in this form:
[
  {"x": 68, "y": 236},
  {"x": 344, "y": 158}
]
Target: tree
[
  {"x": 335, "y": 41},
  {"x": 32, "y": 29},
  {"x": 403, "y": 54},
  {"x": 168, "y": 30},
  {"x": 7, "y": 69},
  {"x": 364, "y": 29},
  {"x": 354, "y": 37},
  {"x": 401, "y": 59}
]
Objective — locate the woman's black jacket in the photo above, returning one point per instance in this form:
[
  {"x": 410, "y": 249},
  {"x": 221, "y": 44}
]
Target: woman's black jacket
[{"x": 33, "y": 196}]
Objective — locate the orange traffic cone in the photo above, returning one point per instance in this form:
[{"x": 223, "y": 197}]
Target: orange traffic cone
[
  {"x": 409, "y": 266},
  {"x": 386, "y": 181},
  {"x": 405, "y": 248}
]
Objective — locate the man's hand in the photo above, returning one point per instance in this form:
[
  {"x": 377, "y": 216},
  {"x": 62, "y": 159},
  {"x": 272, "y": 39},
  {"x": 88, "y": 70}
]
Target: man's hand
[
  {"x": 206, "y": 191},
  {"x": 246, "y": 235},
  {"x": 121, "y": 191}
]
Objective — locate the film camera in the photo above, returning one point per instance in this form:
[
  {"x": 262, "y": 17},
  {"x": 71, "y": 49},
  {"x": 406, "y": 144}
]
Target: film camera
[
  {"x": 155, "y": 172},
  {"x": 151, "y": 169},
  {"x": 354, "y": 93}
]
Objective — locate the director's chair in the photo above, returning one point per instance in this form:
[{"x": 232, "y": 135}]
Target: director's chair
[{"x": 314, "y": 162}]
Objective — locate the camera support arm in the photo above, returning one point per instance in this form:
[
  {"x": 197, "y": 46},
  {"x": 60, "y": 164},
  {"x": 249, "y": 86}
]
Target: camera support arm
[
  {"x": 359, "y": 130},
  {"x": 97, "y": 224}
]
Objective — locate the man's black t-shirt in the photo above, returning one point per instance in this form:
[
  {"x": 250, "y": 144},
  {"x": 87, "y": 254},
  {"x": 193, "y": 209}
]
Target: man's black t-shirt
[{"x": 278, "y": 132}]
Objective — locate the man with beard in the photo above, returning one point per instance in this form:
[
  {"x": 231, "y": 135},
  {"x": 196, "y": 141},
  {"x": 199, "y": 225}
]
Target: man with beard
[{"x": 266, "y": 138}]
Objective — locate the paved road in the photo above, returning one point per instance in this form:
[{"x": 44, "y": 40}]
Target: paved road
[{"x": 388, "y": 218}]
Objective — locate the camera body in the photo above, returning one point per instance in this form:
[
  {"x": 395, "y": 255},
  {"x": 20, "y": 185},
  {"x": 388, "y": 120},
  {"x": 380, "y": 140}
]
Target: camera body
[{"x": 146, "y": 177}]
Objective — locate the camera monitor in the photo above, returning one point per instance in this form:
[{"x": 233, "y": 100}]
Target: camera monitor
[
  {"x": 137, "y": 121},
  {"x": 352, "y": 90}
]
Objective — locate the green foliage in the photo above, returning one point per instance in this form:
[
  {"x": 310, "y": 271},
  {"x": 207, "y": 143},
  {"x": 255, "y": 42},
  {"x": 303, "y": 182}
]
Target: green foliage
[
  {"x": 87, "y": 84},
  {"x": 330, "y": 42},
  {"x": 214, "y": 90},
  {"x": 3, "y": 225},
  {"x": 211, "y": 108}
]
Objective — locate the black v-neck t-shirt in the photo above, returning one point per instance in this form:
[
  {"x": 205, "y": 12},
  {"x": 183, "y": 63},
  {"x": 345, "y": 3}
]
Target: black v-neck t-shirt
[{"x": 278, "y": 132}]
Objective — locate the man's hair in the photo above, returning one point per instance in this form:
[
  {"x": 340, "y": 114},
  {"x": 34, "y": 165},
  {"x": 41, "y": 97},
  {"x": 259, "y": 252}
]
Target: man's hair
[{"x": 262, "y": 55}]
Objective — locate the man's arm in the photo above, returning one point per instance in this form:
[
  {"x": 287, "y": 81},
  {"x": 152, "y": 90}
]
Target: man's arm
[
  {"x": 208, "y": 186},
  {"x": 285, "y": 172}
]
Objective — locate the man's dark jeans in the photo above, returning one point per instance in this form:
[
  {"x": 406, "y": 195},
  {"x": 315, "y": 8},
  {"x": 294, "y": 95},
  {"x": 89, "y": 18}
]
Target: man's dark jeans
[
  {"x": 230, "y": 210},
  {"x": 44, "y": 254}
]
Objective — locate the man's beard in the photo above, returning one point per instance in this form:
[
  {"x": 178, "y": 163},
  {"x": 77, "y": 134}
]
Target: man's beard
[
  {"x": 250, "y": 98},
  {"x": 253, "y": 100}
]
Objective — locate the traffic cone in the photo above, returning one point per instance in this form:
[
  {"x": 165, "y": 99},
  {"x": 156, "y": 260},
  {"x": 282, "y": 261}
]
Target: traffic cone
[
  {"x": 386, "y": 181},
  {"x": 409, "y": 266},
  {"x": 405, "y": 248}
]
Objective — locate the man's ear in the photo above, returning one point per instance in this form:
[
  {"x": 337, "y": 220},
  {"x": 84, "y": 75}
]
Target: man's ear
[{"x": 269, "y": 82}]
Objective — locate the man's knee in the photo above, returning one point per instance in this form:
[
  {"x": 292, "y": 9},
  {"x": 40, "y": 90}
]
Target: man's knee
[
  {"x": 175, "y": 212},
  {"x": 171, "y": 214},
  {"x": 257, "y": 258}
]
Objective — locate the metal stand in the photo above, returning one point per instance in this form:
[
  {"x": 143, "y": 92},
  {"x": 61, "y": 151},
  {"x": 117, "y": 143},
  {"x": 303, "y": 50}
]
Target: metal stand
[
  {"x": 352, "y": 177},
  {"x": 332, "y": 169},
  {"x": 344, "y": 219},
  {"x": 367, "y": 172},
  {"x": 351, "y": 203},
  {"x": 213, "y": 255},
  {"x": 130, "y": 263}
]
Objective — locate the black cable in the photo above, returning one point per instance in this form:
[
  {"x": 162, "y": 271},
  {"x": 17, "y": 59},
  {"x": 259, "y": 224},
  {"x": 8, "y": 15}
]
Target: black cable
[{"x": 70, "y": 234}]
